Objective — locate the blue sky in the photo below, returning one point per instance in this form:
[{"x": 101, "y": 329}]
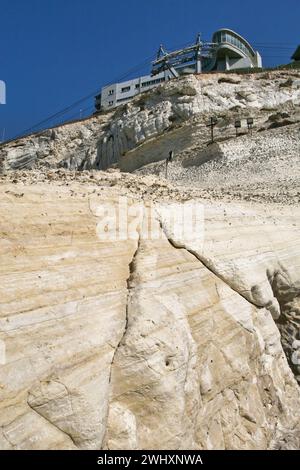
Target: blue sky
[{"x": 53, "y": 52}]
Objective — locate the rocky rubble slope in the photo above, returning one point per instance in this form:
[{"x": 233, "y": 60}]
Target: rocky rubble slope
[
  {"x": 174, "y": 116},
  {"x": 262, "y": 167},
  {"x": 166, "y": 341}
]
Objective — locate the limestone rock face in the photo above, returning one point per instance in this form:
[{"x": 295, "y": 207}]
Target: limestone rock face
[
  {"x": 121, "y": 325},
  {"x": 173, "y": 116},
  {"x": 71, "y": 142},
  {"x": 63, "y": 298},
  {"x": 168, "y": 342}
]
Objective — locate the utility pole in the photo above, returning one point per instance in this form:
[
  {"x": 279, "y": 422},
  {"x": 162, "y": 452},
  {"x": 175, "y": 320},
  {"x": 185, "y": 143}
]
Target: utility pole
[
  {"x": 213, "y": 123},
  {"x": 250, "y": 122},
  {"x": 198, "y": 54},
  {"x": 237, "y": 126},
  {"x": 168, "y": 160}
]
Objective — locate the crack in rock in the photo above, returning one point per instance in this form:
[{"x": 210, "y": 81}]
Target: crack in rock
[
  {"x": 181, "y": 246},
  {"x": 51, "y": 423},
  {"x": 129, "y": 287}
]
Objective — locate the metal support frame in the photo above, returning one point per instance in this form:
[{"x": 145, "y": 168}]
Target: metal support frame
[
  {"x": 250, "y": 122},
  {"x": 212, "y": 124},
  {"x": 237, "y": 125},
  {"x": 191, "y": 55}
]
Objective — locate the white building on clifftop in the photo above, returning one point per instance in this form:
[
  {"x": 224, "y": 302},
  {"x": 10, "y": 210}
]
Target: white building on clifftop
[{"x": 227, "y": 51}]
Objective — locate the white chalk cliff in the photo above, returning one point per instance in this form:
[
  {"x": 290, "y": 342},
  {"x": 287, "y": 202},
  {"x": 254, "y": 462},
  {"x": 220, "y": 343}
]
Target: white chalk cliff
[{"x": 169, "y": 342}]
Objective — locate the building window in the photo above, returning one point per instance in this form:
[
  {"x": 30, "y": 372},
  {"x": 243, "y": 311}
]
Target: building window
[
  {"x": 137, "y": 86},
  {"x": 110, "y": 103},
  {"x": 125, "y": 89},
  {"x": 120, "y": 100},
  {"x": 153, "y": 82},
  {"x": 111, "y": 92}
]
